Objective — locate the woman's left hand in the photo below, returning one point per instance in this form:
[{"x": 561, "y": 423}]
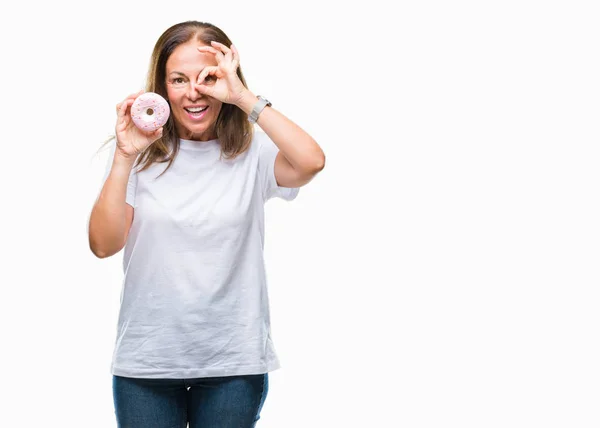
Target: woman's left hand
[{"x": 221, "y": 81}]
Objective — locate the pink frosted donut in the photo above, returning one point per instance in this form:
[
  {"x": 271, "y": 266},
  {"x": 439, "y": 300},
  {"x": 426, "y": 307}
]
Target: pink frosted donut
[{"x": 150, "y": 111}]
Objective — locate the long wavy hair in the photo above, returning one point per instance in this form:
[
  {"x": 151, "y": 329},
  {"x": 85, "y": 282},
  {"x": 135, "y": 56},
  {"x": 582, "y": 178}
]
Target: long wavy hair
[{"x": 232, "y": 127}]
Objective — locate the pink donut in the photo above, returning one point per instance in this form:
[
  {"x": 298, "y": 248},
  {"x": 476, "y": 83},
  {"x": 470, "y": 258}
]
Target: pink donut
[{"x": 150, "y": 111}]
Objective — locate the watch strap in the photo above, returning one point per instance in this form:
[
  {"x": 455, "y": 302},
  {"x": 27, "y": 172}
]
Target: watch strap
[{"x": 258, "y": 108}]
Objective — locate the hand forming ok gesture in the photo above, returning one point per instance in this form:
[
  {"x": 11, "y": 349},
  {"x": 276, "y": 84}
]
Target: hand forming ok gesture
[{"x": 221, "y": 81}]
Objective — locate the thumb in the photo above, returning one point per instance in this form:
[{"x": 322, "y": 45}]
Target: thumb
[
  {"x": 204, "y": 90},
  {"x": 155, "y": 135}
]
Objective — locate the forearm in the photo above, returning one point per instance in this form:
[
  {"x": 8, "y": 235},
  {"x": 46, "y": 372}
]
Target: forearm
[
  {"x": 107, "y": 226},
  {"x": 299, "y": 148}
]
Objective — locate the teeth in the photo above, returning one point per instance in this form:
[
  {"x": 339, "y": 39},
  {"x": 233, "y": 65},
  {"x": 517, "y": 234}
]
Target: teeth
[{"x": 195, "y": 109}]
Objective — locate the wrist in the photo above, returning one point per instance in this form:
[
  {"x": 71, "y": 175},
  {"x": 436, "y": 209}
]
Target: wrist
[
  {"x": 123, "y": 159},
  {"x": 247, "y": 101},
  {"x": 121, "y": 168}
]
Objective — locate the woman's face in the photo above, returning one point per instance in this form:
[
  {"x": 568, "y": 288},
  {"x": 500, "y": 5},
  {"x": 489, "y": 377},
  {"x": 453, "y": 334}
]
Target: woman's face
[{"x": 194, "y": 114}]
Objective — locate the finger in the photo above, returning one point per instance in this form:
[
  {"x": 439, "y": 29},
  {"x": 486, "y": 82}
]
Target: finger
[
  {"x": 134, "y": 95},
  {"x": 207, "y": 49},
  {"x": 130, "y": 97},
  {"x": 224, "y": 49},
  {"x": 204, "y": 90},
  {"x": 122, "y": 119},
  {"x": 221, "y": 47},
  {"x": 123, "y": 107},
  {"x": 236, "y": 57},
  {"x": 218, "y": 54},
  {"x": 207, "y": 70},
  {"x": 158, "y": 133}
]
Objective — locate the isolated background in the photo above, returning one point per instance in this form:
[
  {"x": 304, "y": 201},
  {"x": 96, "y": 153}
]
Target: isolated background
[{"x": 441, "y": 271}]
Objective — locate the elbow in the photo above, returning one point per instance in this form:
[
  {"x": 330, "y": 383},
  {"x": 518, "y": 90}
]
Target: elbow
[
  {"x": 310, "y": 170},
  {"x": 317, "y": 165},
  {"x": 320, "y": 164},
  {"x": 98, "y": 252},
  {"x": 104, "y": 254}
]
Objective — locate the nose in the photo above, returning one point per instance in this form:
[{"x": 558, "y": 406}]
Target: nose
[{"x": 192, "y": 92}]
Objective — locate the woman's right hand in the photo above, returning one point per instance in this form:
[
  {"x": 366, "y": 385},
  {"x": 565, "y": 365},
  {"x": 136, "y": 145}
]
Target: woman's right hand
[{"x": 131, "y": 141}]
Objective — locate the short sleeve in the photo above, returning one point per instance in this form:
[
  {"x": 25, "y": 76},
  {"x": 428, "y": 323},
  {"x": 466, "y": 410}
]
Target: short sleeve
[
  {"x": 267, "y": 152},
  {"x": 131, "y": 184}
]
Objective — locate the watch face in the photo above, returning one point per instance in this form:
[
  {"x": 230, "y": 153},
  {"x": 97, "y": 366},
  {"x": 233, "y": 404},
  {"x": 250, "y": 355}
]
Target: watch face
[{"x": 264, "y": 99}]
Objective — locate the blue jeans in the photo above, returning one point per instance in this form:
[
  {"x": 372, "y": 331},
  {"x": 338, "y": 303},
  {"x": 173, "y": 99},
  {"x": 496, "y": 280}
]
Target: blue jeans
[{"x": 212, "y": 402}]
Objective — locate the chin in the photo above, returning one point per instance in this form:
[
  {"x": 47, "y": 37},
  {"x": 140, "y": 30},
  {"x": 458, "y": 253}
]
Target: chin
[{"x": 194, "y": 131}]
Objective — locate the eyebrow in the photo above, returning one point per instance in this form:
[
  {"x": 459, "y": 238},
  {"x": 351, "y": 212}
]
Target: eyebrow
[{"x": 180, "y": 73}]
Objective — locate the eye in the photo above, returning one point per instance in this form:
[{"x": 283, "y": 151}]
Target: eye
[{"x": 178, "y": 80}]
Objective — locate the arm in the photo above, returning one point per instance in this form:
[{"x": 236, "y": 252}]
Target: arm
[
  {"x": 300, "y": 158},
  {"x": 111, "y": 216}
]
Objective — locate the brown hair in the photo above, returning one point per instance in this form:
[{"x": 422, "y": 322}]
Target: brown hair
[{"x": 232, "y": 127}]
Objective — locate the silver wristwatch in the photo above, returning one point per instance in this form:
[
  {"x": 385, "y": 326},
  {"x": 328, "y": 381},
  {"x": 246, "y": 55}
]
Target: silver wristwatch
[{"x": 258, "y": 107}]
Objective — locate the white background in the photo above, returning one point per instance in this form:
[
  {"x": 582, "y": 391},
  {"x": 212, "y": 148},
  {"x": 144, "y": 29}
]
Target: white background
[{"x": 441, "y": 271}]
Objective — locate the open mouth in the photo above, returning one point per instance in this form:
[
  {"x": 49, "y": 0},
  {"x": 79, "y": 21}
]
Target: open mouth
[{"x": 196, "y": 112}]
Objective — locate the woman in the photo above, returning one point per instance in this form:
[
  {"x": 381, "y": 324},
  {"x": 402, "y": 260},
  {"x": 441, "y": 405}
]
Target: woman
[{"x": 187, "y": 205}]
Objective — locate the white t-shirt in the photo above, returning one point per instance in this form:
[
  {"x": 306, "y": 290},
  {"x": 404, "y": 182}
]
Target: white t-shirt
[{"x": 194, "y": 301}]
